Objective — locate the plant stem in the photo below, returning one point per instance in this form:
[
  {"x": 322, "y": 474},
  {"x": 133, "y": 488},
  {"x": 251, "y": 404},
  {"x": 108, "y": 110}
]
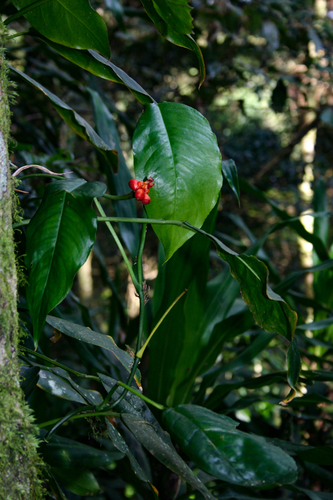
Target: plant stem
[
  {"x": 118, "y": 243},
  {"x": 24, "y": 11},
  {"x": 139, "y": 354},
  {"x": 137, "y": 393},
  {"x": 69, "y": 370},
  {"x": 81, "y": 415},
  {"x": 127, "y": 196},
  {"x": 162, "y": 222},
  {"x": 67, "y": 417}
]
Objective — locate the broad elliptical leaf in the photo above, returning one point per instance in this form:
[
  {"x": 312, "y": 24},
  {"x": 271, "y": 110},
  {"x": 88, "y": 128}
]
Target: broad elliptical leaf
[
  {"x": 60, "y": 237},
  {"x": 175, "y": 145}
]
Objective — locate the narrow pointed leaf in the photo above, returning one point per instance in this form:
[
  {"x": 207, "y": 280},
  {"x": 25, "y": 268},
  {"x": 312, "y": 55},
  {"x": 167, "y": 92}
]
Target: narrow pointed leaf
[
  {"x": 83, "y": 334},
  {"x": 76, "y": 122},
  {"x": 72, "y": 23},
  {"x": 269, "y": 310},
  {"x": 162, "y": 451},
  {"x": 176, "y": 13},
  {"x": 214, "y": 444},
  {"x": 67, "y": 454},
  {"x": 119, "y": 443},
  {"x": 145, "y": 427},
  {"x": 294, "y": 364},
  {"x": 60, "y": 237},
  {"x": 230, "y": 173},
  {"x": 175, "y": 145},
  {"x": 183, "y": 40}
]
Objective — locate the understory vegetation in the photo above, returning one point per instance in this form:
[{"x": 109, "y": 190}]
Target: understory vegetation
[{"x": 176, "y": 330}]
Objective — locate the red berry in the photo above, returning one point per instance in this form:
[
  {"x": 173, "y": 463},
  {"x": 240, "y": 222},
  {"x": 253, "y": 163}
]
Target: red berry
[
  {"x": 146, "y": 199},
  {"x": 133, "y": 184},
  {"x": 140, "y": 194}
]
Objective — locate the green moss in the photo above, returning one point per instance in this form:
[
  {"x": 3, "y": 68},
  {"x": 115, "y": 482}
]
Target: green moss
[{"x": 20, "y": 463}]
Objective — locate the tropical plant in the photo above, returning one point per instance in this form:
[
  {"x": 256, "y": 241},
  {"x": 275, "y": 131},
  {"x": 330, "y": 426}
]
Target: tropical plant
[{"x": 116, "y": 421}]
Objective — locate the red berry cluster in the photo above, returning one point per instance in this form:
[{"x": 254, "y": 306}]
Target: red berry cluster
[{"x": 141, "y": 189}]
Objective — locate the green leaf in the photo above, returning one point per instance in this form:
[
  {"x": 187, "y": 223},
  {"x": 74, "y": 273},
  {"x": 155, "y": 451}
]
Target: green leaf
[
  {"x": 316, "y": 325},
  {"x": 118, "y": 441},
  {"x": 229, "y": 170},
  {"x": 103, "y": 68},
  {"x": 294, "y": 364},
  {"x": 117, "y": 183},
  {"x": 72, "y": 23},
  {"x": 214, "y": 444},
  {"x": 83, "y": 334},
  {"x": 60, "y": 237},
  {"x": 57, "y": 386},
  {"x": 172, "y": 36},
  {"x": 76, "y": 122},
  {"x": 68, "y": 454},
  {"x": 269, "y": 310},
  {"x": 163, "y": 450},
  {"x": 29, "y": 380},
  {"x": 142, "y": 423},
  {"x": 176, "y": 13},
  {"x": 175, "y": 145},
  {"x": 176, "y": 345},
  {"x": 78, "y": 481}
]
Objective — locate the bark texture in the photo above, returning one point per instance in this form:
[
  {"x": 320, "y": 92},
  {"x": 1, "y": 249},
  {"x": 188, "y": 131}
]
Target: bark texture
[{"x": 19, "y": 461}]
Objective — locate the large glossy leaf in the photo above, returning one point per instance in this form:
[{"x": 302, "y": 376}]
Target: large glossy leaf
[
  {"x": 176, "y": 13},
  {"x": 71, "y": 22},
  {"x": 142, "y": 423},
  {"x": 172, "y": 36},
  {"x": 76, "y": 122},
  {"x": 216, "y": 446},
  {"x": 269, "y": 310},
  {"x": 175, "y": 145},
  {"x": 59, "y": 238},
  {"x": 88, "y": 336}
]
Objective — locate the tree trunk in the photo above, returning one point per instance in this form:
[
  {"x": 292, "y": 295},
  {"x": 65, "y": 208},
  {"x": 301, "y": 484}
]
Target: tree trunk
[{"x": 19, "y": 461}]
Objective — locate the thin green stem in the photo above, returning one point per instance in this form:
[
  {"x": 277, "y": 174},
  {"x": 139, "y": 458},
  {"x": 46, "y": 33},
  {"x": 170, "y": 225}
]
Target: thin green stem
[
  {"x": 139, "y": 353},
  {"x": 16, "y": 35},
  {"x": 24, "y": 11},
  {"x": 23, "y": 222},
  {"x": 105, "y": 413},
  {"x": 127, "y": 196},
  {"x": 107, "y": 398},
  {"x": 67, "y": 417},
  {"x": 51, "y": 361},
  {"x": 141, "y": 314},
  {"x": 162, "y": 222},
  {"x": 137, "y": 393},
  {"x": 118, "y": 243}
]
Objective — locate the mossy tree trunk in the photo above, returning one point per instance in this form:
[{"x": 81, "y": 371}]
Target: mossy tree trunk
[{"x": 19, "y": 461}]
